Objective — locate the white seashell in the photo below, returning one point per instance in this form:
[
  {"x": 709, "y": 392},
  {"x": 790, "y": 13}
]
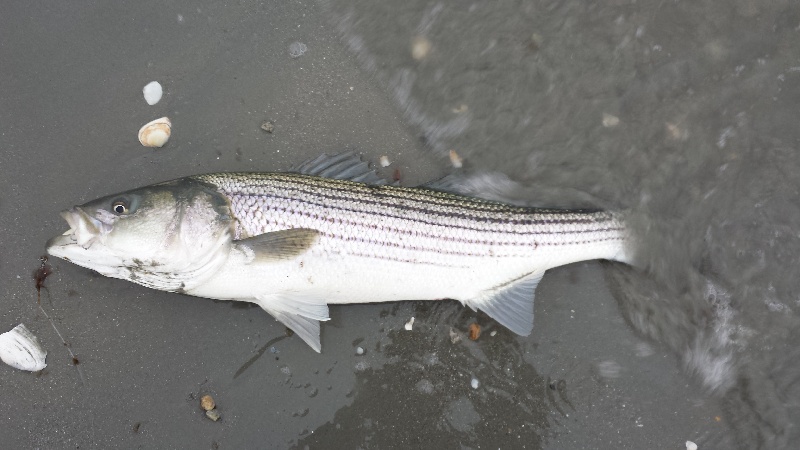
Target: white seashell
[
  {"x": 385, "y": 161},
  {"x": 152, "y": 92},
  {"x": 410, "y": 324},
  {"x": 155, "y": 133},
  {"x": 20, "y": 349}
]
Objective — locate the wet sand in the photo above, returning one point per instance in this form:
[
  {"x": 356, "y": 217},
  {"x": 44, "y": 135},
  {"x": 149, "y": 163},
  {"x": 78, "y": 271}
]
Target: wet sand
[{"x": 72, "y": 104}]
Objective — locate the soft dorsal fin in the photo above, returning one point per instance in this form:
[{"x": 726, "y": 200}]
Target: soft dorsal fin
[
  {"x": 492, "y": 186},
  {"x": 275, "y": 245},
  {"x": 343, "y": 166},
  {"x": 511, "y": 304},
  {"x": 301, "y": 314}
]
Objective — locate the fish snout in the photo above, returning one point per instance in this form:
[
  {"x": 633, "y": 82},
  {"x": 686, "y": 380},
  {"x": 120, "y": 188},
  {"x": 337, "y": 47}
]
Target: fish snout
[{"x": 84, "y": 229}]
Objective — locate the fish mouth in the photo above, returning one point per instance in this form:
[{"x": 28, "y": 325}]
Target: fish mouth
[{"x": 84, "y": 230}]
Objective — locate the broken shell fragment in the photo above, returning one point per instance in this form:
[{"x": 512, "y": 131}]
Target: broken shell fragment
[
  {"x": 155, "y": 133},
  {"x": 409, "y": 325},
  {"x": 20, "y": 349},
  {"x": 213, "y": 414},
  {"x": 385, "y": 161},
  {"x": 207, "y": 402},
  {"x": 152, "y": 92},
  {"x": 455, "y": 338}
]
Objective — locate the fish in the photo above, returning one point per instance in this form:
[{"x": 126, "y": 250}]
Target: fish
[{"x": 333, "y": 232}]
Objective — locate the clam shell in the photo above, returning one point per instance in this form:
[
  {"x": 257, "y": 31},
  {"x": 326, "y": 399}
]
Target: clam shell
[
  {"x": 155, "y": 133},
  {"x": 20, "y": 349}
]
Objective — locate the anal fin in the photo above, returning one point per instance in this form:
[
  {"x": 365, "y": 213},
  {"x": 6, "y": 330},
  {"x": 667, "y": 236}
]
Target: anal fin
[
  {"x": 302, "y": 315},
  {"x": 511, "y": 304}
]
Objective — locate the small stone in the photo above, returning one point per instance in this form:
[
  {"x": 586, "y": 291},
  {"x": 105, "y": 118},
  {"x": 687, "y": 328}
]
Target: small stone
[
  {"x": 420, "y": 48},
  {"x": 455, "y": 159},
  {"x": 410, "y": 324},
  {"x": 475, "y": 383},
  {"x": 213, "y": 415},
  {"x": 691, "y": 445},
  {"x": 536, "y": 41},
  {"x": 675, "y": 132},
  {"x": 493, "y": 333},
  {"x": 359, "y": 350},
  {"x": 610, "y": 121},
  {"x": 474, "y": 331},
  {"x": 268, "y": 127},
  {"x": 207, "y": 402},
  {"x": 385, "y": 161}
]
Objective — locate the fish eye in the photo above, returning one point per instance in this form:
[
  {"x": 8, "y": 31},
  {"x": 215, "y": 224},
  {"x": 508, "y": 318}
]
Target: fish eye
[{"x": 120, "y": 207}]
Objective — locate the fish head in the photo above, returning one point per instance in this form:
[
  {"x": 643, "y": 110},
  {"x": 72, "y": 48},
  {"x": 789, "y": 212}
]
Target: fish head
[{"x": 170, "y": 236}]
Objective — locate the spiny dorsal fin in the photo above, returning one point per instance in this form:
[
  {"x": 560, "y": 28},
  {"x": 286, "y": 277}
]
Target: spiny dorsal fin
[
  {"x": 301, "y": 315},
  {"x": 282, "y": 244},
  {"x": 511, "y": 304},
  {"x": 344, "y": 166}
]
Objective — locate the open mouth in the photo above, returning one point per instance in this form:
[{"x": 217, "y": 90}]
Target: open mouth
[{"x": 84, "y": 229}]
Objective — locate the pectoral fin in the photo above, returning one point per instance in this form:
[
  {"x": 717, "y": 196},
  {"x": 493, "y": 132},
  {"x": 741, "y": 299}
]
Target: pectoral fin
[
  {"x": 300, "y": 314},
  {"x": 284, "y": 244},
  {"x": 511, "y": 304}
]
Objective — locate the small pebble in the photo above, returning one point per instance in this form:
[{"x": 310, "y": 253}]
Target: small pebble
[
  {"x": 268, "y": 127},
  {"x": 676, "y": 133},
  {"x": 385, "y": 161},
  {"x": 536, "y": 40},
  {"x": 691, "y": 445},
  {"x": 207, "y": 402},
  {"x": 455, "y": 159},
  {"x": 420, "y": 48},
  {"x": 475, "y": 383},
  {"x": 474, "y": 331},
  {"x": 359, "y": 350},
  {"x": 462, "y": 108},
  {"x": 493, "y": 333},
  {"x": 213, "y": 415},
  {"x": 610, "y": 120},
  {"x": 410, "y": 324}
]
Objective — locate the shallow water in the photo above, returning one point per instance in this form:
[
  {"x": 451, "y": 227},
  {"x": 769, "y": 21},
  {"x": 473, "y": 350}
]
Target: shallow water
[{"x": 682, "y": 113}]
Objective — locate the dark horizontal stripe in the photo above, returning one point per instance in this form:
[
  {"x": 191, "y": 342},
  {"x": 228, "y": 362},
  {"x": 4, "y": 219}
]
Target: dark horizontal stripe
[
  {"x": 440, "y": 250},
  {"x": 512, "y": 228},
  {"x": 458, "y": 205},
  {"x": 390, "y": 257}
]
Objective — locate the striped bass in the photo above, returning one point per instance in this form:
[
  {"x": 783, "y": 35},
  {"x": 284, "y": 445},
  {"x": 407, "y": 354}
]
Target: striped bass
[{"x": 332, "y": 233}]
